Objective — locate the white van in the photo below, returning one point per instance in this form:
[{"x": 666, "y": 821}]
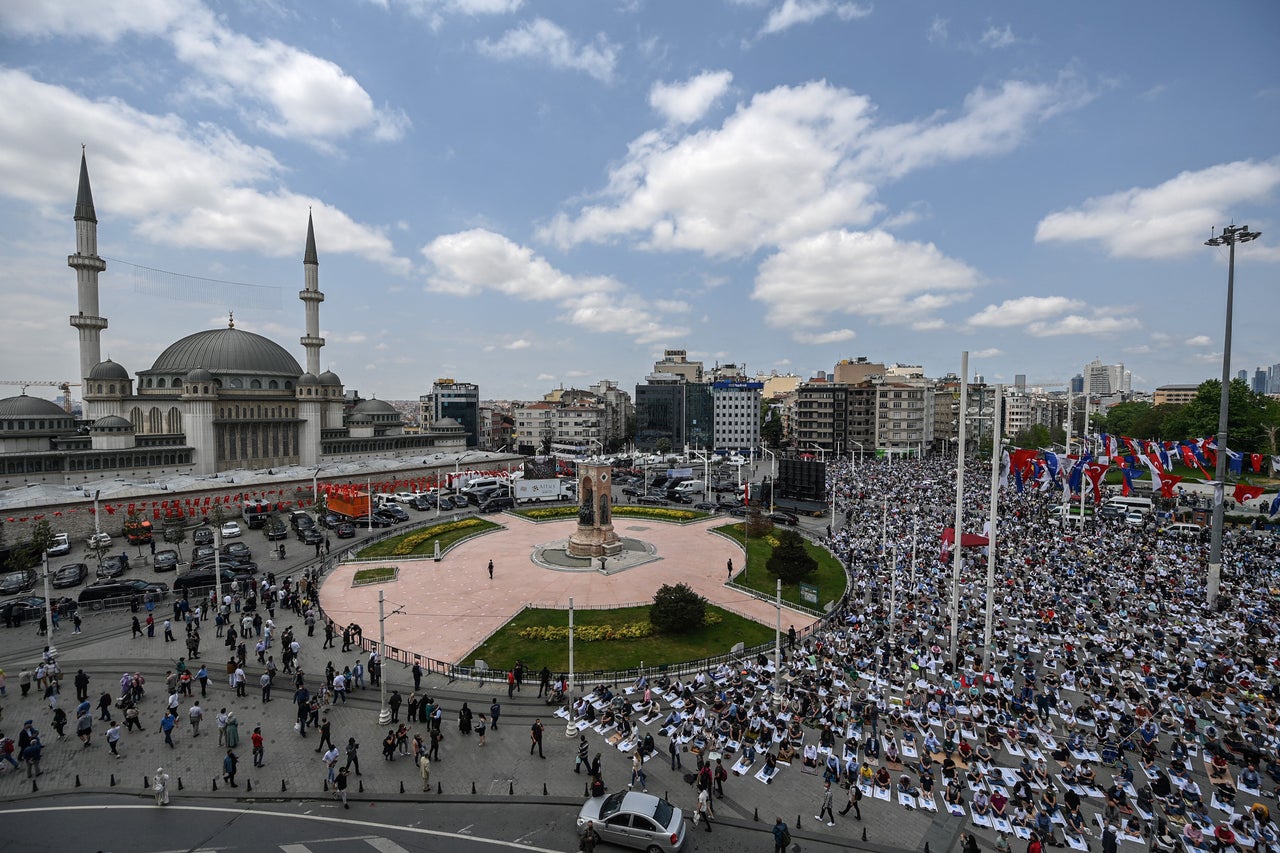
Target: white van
[
  {"x": 1130, "y": 504},
  {"x": 691, "y": 487},
  {"x": 1183, "y": 528}
]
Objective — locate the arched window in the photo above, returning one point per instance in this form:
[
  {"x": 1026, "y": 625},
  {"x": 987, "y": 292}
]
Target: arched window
[
  {"x": 155, "y": 423},
  {"x": 288, "y": 386},
  {"x": 159, "y": 382},
  {"x": 111, "y": 389},
  {"x": 173, "y": 421},
  {"x": 237, "y": 383},
  {"x": 273, "y": 385},
  {"x": 135, "y": 418},
  {"x": 255, "y": 383}
]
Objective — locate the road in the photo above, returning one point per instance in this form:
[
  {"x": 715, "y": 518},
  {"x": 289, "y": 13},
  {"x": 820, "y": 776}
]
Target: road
[{"x": 135, "y": 824}]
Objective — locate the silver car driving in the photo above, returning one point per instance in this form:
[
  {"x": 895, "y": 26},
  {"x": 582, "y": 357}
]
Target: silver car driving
[{"x": 632, "y": 819}]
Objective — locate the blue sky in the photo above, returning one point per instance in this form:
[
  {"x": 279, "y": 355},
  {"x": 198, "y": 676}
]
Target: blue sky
[{"x": 525, "y": 194}]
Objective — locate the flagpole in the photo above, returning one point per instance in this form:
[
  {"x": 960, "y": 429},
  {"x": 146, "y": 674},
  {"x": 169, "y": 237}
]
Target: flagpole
[
  {"x": 997, "y": 435},
  {"x": 1083, "y": 453},
  {"x": 1066, "y": 491},
  {"x": 959, "y": 519}
]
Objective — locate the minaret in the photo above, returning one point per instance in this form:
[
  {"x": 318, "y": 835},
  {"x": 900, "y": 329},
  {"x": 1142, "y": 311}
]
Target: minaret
[
  {"x": 87, "y": 265},
  {"x": 312, "y": 297}
]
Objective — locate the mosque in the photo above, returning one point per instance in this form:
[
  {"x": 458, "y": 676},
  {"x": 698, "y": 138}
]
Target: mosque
[{"x": 216, "y": 400}]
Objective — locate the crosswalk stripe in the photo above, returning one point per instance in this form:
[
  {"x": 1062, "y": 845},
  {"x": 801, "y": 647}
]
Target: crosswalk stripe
[
  {"x": 294, "y": 848},
  {"x": 384, "y": 845}
]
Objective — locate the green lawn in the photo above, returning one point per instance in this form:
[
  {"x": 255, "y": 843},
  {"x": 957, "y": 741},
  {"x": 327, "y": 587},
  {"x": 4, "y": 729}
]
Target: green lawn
[
  {"x": 423, "y": 541},
  {"x": 653, "y": 513},
  {"x": 829, "y": 578},
  {"x": 504, "y": 648},
  {"x": 366, "y": 576}
]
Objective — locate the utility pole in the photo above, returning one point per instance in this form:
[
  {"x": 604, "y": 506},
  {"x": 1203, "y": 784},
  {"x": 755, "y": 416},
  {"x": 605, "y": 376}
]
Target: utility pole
[
  {"x": 959, "y": 519},
  {"x": 384, "y": 713},
  {"x": 1230, "y": 236}
]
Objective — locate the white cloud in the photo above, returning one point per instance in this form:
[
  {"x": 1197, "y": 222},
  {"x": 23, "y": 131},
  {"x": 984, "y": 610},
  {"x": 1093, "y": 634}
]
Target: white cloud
[
  {"x": 865, "y": 274},
  {"x": 793, "y": 12},
  {"x": 435, "y": 12},
  {"x": 469, "y": 262},
  {"x": 1198, "y": 341},
  {"x": 473, "y": 262},
  {"x": 519, "y": 343},
  {"x": 1025, "y": 309},
  {"x": 1168, "y": 220},
  {"x": 938, "y": 30},
  {"x": 279, "y": 88},
  {"x": 793, "y": 162},
  {"x": 545, "y": 377},
  {"x": 835, "y": 336},
  {"x": 545, "y": 41},
  {"x": 931, "y": 325},
  {"x": 1074, "y": 324},
  {"x": 685, "y": 103},
  {"x": 990, "y": 352},
  {"x": 998, "y": 37},
  {"x": 180, "y": 185}
]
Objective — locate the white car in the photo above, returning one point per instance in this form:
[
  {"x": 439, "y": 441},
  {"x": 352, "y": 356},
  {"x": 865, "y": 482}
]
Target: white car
[
  {"x": 99, "y": 540},
  {"x": 230, "y": 529},
  {"x": 1135, "y": 518},
  {"x": 60, "y": 546},
  {"x": 404, "y": 497}
]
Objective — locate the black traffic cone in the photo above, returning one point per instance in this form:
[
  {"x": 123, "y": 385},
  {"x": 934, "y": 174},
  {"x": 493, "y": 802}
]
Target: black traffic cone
[
  {"x": 473, "y": 787},
  {"x": 797, "y": 821},
  {"x": 544, "y": 789},
  {"x": 248, "y": 786},
  {"x": 215, "y": 783},
  {"x": 77, "y": 780},
  {"x": 180, "y": 783},
  {"x": 511, "y": 788},
  {"x": 755, "y": 815},
  {"x": 402, "y": 786},
  {"x": 864, "y": 833},
  {"x": 586, "y": 789},
  {"x": 146, "y": 783},
  {"x": 283, "y": 786},
  {"x": 113, "y": 780},
  {"x": 362, "y": 786},
  {"x": 438, "y": 789},
  {"x": 926, "y": 847}
]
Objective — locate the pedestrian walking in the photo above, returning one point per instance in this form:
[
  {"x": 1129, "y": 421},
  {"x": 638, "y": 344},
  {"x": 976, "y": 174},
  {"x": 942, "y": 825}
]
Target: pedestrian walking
[
  {"x": 340, "y": 787},
  {"x": 424, "y": 768},
  {"x": 113, "y": 738},
  {"x": 258, "y": 746},
  {"x": 703, "y": 809},
  {"x": 233, "y": 730},
  {"x": 82, "y": 685},
  {"x": 855, "y": 797},
  {"x": 583, "y": 750},
  {"x": 436, "y": 737},
  {"x": 781, "y": 836},
  {"x": 168, "y": 632},
  {"x": 673, "y": 747},
  {"x": 495, "y": 711},
  {"x": 826, "y": 806},
  {"x": 330, "y": 760},
  {"x": 229, "y": 764},
  {"x": 590, "y": 838},
  {"x": 480, "y": 728},
  {"x": 730, "y": 569},
  {"x": 417, "y": 677},
  {"x": 637, "y": 773},
  {"x": 720, "y": 775},
  {"x": 353, "y": 755},
  {"x": 535, "y": 737},
  {"x": 166, "y": 726},
  {"x": 196, "y": 714},
  {"x": 84, "y": 728}
]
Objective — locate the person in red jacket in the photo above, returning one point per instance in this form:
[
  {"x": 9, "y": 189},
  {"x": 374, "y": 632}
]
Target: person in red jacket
[
  {"x": 257, "y": 741},
  {"x": 1033, "y": 846}
]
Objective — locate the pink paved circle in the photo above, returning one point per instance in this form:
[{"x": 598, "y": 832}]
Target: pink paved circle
[{"x": 449, "y": 608}]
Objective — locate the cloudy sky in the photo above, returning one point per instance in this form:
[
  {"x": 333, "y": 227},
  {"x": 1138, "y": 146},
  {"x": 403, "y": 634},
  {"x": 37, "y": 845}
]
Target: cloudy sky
[{"x": 524, "y": 194}]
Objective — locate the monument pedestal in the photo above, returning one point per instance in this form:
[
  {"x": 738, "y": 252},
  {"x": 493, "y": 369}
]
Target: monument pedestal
[{"x": 595, "y": 536}]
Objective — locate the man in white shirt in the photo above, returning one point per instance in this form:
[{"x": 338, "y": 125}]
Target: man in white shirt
[{"x": 196, "y": 714}]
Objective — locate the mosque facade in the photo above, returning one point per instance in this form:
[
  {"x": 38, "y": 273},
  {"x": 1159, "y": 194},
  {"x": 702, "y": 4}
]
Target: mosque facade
[{"x": 216, "y": 400}]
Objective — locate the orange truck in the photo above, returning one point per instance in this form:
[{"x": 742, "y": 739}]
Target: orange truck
[{"x": 355, "y": 505}]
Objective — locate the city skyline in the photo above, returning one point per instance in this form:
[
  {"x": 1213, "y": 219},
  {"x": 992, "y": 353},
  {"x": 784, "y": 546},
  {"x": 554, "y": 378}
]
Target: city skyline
[{"x": 523, "y": 196}]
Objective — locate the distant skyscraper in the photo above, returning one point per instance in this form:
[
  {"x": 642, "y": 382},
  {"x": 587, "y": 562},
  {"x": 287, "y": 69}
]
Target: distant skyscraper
[
  {"x": 1020, "y": 382},
  {"x": 1105, "y": 379},
  {"x": 1077, "y": 384},
  {"x": 1242, "y": 375},
  {"x": 1260, "y": 380}
]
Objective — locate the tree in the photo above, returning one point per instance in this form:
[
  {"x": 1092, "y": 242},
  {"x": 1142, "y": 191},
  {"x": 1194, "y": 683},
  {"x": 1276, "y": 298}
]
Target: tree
[
  {"x": 677, "y": 610},
  {"x": 663, "y": 445},
  {"x": 31, "y": 552},
  {"x": 771, "y": 428},
  {"x": 175, "y": 532},
  {"x": 790, "y": 560}
]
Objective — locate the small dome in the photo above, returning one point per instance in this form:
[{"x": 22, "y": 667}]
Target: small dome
[
  {"x": 112, "y": 422},
  {"x": 329, "y": 378},
  {"x": 199, "y": 374},
  {"x": 23, "y": 406},
  {"x": 447, "y": 423},
  {"x": 308, "y": 379},
  {"x": 375, "y": 407},
  {"x": 108, "y": 370}
]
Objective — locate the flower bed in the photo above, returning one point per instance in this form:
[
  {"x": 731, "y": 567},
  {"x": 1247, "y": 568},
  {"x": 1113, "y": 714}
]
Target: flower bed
[
  {"x": 423, "y": 541},
  {"x": 656, "y": 513},
  {"x": 379, "y": 575},
  {"x": 598, "y": 633}
]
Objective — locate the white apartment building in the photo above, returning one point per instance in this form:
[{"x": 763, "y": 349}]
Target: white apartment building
[
  {"x": 735, "y": 410},
  {"x": 904, "y": 415}
]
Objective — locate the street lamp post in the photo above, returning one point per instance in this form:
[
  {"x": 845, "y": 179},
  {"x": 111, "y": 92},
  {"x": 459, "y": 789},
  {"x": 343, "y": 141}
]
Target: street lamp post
[
  {"x": 1230, "y": 236},
  {"x": 773, "y": 476},
  {"x": 48, "y": 608},
  {"x": 384, "y": 714}
]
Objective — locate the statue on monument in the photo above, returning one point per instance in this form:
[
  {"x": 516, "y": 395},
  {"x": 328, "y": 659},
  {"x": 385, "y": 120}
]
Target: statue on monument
[
  {"x": 586, "y": 510},
  {"x": 604, "y": 510}
]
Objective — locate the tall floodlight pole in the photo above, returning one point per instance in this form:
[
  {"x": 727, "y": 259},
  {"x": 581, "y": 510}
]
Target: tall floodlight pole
[
  {"x": 777, "y": 648},
  {"x": 570, "y": 685},
  {"x": 959, "y": 520},
  {"x": 384, "y": 714},
  {"x": 1066, "y": 492},
  {"x": 48, "y": 607},
  {"x": 997, "y": 435},
  {"x": 1230, "y": 236}
]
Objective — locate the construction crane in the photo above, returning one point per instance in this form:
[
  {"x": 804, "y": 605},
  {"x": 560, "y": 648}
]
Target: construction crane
[{"x": 60, "y": 384}]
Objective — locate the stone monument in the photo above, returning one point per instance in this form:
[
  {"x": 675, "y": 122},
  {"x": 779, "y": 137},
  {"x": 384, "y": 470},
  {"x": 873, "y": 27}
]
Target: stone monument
[{"x": 595, "y": 536}]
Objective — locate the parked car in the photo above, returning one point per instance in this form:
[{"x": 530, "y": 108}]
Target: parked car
[
  {"x": 310, "y": 536},
  {"x": 632, "y": 491},
  {"x": 237, "y": 549},
  {"x": 652, "y": 500},
  {"x": 98, "y": 540},
  {"x": 345, "y": 530},
  {"x": 201, "y": 553},
  {"x": 1136, "y": 518},
  {"x": 145, "y": 587},
  {"x": 236, "y": 564},
  {"x": 394, "y": 512},
  {"x": 729, "y": 504},
  {"x": 165, "y": 561},
  {"x": 98, "y": 593},
  {"x": 200, "y": 578},
  {"x": 330, "y": 520},
  {"x": 113, "y": 566},
  {"x": 61, "y": 545},
  {"x": 375, "y": 520},
  {"x": 739, "y": 511},
  {"x": 18, "y": 581},
  {"x": 276, "y": 530},
  {"x": 498, "y": 503},
  {"x": 72, "y": 574},
  {"x": 678, "y": 498},
  {"x": 705, "y": 507},
  {"x": 633, "y": 819},
  {"x": 780, "y": 517},
  {"x": 230, "y": 529},
  {"x": 202, "y": 536},
  {"x": 1111, "y": 511}
]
